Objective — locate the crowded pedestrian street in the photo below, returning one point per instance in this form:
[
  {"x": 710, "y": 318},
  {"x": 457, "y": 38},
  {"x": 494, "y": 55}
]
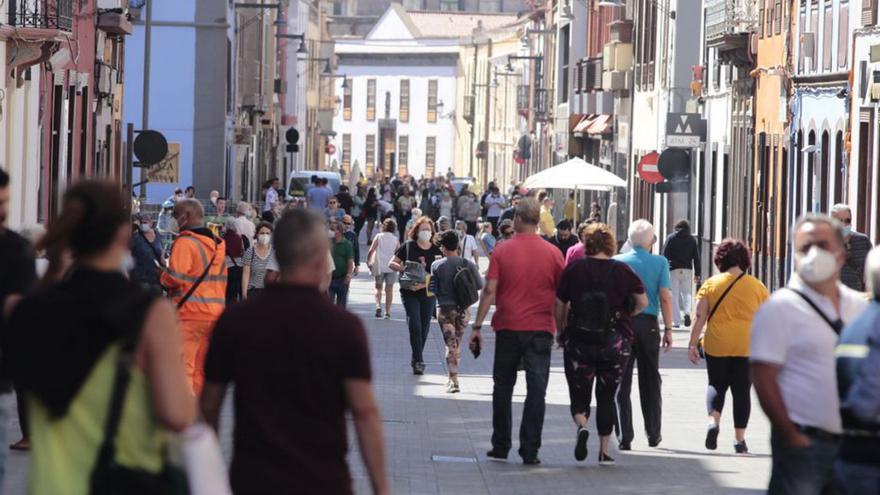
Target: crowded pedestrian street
[{"x": 436, "y": 442}]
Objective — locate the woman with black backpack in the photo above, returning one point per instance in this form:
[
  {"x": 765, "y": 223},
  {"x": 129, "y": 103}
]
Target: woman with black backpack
[
  {"x": 455, "y": 282},
  {"x": 594, "y": 302}
]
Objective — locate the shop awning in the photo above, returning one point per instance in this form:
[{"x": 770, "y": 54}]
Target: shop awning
[
  {"x": 581, "y": 128},
  {"x": 575, "y": 119},
  {"x": 602, "y": 124}
]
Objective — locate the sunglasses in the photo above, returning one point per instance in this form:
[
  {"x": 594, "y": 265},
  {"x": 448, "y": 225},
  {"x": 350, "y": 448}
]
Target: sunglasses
[{"x": 847, "y": 221}]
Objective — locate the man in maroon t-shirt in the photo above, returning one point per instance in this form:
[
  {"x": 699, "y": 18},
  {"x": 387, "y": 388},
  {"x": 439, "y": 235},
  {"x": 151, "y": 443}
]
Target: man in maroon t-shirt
[
  {"x": 523, "y": 274},
  {"x": 295, "y": 378}
]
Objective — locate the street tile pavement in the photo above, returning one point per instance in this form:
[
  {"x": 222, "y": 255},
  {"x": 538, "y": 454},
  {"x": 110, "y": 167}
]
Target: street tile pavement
[{"x": 436, "y": 442}]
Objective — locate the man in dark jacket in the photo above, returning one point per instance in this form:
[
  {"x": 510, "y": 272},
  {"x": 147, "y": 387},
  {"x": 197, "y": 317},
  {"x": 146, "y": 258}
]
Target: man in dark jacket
[{"x": 683, "y": 253}]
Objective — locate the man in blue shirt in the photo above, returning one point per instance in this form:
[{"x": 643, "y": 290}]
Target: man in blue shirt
[
  {"x": 858, "y": 376},
  {"x": 319, "y": 194},
  {"x": 654, "y": 272}
]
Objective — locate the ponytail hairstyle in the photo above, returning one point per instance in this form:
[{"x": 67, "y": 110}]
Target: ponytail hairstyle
[{"x": 91, "y": 214}]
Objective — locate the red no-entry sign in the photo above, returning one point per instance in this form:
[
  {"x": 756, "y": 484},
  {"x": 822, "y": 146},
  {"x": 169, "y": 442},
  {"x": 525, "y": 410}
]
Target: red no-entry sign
[{"x": 648, "y": 170}]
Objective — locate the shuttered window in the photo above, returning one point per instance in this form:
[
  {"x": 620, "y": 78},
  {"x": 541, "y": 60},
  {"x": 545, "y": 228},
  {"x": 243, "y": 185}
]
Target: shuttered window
[
  {"x": 843, "y": 35},
  {"x": 868, "y": 15},
  {"x": 827, "y": 39}
]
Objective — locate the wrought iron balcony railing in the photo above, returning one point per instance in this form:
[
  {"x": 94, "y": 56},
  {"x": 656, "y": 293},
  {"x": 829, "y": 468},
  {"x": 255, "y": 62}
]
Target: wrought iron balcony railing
[
  {"x": 469, "y": 108},
  {"x": 522, "y": 99},
  {"x": 543, "y": 104},
  {"x": 726, "y": 17},
  {"x": 41, "y": 14}
]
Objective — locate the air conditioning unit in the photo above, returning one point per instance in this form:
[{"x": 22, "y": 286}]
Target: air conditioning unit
[
  {"x": 617, "y": 56},
  {"x": 614, "y": 80}
]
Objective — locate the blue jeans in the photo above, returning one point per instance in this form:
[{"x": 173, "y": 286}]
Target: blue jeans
[
  {"x": 533, "y": 348},
  {"x": 857, "y": 479},
  {"x": 419, "y": 309},
  {"x": 808, "y": 471},
  {"x": 338, "y": 291}
]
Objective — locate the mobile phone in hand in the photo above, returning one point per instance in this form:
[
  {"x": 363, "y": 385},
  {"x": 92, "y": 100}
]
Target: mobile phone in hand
[{"x": 475, "y": 348}]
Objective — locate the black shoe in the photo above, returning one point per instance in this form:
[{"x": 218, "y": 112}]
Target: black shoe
[
  {"x": 624, "y": 446},
  {"x": 580, "y": 448},
  {"x": 741, "y": 447},
  {"x": 531, "y": 461},
  {"x": 418, "y": 369},
  {"x": 605, "y": 460},
  {"x": 712, "y": 437},
  {"x": 687, "y": 320},
  {"x": 653, "y": 442},
  {"x": 378, "y": 312},
  {"x": 497, "y": 455}
]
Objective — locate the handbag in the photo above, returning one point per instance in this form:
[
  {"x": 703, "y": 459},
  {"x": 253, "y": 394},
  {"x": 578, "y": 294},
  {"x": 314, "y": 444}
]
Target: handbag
[
  {"x": 111, "y": 478},
  {"x": 413, "y": 272},
  {"x": 714, "y": 309}
]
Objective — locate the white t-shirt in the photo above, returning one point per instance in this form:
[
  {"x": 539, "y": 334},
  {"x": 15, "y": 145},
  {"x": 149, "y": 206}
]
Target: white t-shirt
[
  {"x": 788, "y": 332},
  {"x": 470, "y": 248},
  {"x": 271, "y": 199},
  {"x": 245, "y": 228},
  {"x": 386, "y": 245},
  {"x": 494, "y": 205}
]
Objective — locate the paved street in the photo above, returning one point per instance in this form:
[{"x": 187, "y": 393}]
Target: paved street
[{"x": 421, "y": 421}]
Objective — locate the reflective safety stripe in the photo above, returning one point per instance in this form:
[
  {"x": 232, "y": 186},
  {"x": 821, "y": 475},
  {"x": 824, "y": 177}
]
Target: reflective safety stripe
[
  {"x": 207, "y": 300},
  {"x": 189, "y": 278},
  {"x": 857, "y": 351}
]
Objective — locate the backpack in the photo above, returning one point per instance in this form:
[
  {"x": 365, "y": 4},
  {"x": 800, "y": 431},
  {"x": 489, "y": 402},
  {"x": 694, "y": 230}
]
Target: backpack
[
  {"x": 465, "y": 286},
  {"x": 590, "y": 319}
]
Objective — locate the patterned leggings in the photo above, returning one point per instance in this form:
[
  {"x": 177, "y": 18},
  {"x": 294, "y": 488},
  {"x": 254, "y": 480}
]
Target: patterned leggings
[
  {"x": 452, "y": 323},
  {"x": 604, "y": 364}
]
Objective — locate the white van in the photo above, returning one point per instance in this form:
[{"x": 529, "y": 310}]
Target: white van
[{"x": 299, "y": 182}]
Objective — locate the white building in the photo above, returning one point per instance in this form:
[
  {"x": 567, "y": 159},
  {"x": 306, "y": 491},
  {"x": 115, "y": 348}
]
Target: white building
[{"x": 397, "y": 112}]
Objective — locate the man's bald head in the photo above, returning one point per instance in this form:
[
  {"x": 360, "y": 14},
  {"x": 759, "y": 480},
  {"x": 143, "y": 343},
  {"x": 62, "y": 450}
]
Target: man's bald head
[
  {"x": 300, "y": 240},
  {"x": 189, "y": 213}
]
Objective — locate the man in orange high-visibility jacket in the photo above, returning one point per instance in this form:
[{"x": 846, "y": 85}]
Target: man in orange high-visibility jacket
[{"x": 195, "y": 248}]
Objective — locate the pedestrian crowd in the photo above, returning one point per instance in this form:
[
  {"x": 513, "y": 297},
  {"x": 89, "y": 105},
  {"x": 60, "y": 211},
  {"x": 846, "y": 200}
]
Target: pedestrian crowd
[{"x": 123, "y": 342}]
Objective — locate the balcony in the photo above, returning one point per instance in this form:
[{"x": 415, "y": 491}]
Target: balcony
[
  {"x": 41, "y": 14},
  {"x": 522, "y": 99},
  {"x": 470, "y": 103},
  {"x": 593, "y": 74},
  {"x": 729, "y": 23},
  {"x": 543, "y": 104}
]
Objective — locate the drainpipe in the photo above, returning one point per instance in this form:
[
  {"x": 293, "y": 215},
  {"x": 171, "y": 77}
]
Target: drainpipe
[
  {"x": 473, "y": 95},
  {"x": 485, "y": 178}
]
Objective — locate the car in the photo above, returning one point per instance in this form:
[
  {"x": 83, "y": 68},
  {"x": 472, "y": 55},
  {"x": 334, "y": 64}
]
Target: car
[
  {"x": 298, "y": 183},
  {"x": 459, "y": 183}
]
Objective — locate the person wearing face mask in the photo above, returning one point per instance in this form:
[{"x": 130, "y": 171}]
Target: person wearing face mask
[
  {"x": 146, "y": 252},
  {"x": 419, "y": 249},
  {"x": 348, "y": 226},
  {"x": 857, "y": 246},
  {"x": 469, "y": 248},
  {"x": 255, "y": 261},
  {"x": 196, "y": 282},
  {"x": 794, "y": 335}
]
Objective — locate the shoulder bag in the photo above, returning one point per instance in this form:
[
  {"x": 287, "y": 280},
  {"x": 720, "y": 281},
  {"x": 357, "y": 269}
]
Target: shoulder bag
[
  {"x": 836, "y": 325},
  {"x": 714, "y": 309},
  {"x": 413, "y": 272},
  {"x": 198, "y": 281}
]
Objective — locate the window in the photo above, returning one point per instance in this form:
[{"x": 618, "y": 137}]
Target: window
[
  {"x": 777, "y": 16},
  {"x": 346, "y": 101},
  {"x": 802, "y": 28},
  {"x": 563, "y": 63},
  {"x": 404, "y": 100},
  {"x": 337, "y": 7},
  {"x": 842, "y": 34},
  {"x": 490, "y": 6},
  {"x": 413, "y": 5},
  {"x": 432, "y": 100},
  {"x": 370, "y": 160},
  {"x": 814, "y": 28},
  {"x": 868, "y": 12},
  {"x": 761, "y": 14},
  {"x": 346, "y": 151},
  {"x": 449, "y": 5},
  {"x": 371, "y": 99},
  {"x": 403, "y": 155},
  {"x": 827, "y": 38},
  {"x": 430, "y": 156}
]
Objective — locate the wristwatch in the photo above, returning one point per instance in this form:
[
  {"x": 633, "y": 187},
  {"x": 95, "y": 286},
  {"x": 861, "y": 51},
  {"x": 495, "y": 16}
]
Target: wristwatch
[{"x": 476, "y": 327}]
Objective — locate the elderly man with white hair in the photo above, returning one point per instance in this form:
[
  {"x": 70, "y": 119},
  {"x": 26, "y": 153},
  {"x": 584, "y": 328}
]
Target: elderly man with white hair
[
  {"x": 858, "y": 377},
  {"x": 246, "y": 228},
  {"x": 654, "y": 272},
  {"x": 857, "y": 246}
]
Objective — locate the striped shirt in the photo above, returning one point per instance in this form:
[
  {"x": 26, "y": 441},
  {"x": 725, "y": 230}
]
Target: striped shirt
[
  {"x": 853, "y": 273},
  {"x": 257, "y": 265}
]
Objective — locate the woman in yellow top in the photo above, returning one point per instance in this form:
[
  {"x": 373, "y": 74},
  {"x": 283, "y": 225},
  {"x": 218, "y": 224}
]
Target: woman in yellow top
[
  {"x": 64, "y": 344},
  {"x": 726, "y": 343}
]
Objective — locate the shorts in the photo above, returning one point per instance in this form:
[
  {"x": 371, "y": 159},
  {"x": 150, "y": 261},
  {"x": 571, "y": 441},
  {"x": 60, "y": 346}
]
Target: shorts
[{"x": 388, "y": 279}]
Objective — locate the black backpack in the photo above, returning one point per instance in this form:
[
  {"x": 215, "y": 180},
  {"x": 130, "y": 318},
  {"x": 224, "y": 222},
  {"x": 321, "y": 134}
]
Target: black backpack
[
  {"x": 465, "y": 286},
  {"x": 591, "y": 320}
]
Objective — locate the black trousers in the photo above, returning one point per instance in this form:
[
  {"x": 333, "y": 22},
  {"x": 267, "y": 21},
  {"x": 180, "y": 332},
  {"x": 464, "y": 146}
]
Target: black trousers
[
  {"x": 419, "y": 309},
  {"x": 602, "y": 364},
  {"x": 645, "y": 352},
  {"x": 233, "y": 284},
  {"x": 533, "y": 348},
  {"x": 733, "y": 373}
]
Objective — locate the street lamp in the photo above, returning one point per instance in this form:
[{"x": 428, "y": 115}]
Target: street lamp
[{"x": 302, "y": 41}]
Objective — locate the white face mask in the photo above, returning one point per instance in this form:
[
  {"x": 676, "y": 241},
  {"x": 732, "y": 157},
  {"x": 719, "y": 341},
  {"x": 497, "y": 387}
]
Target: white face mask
[
  {"x": 331, "y": 234},
  {"x": 424, "y": 235},
  {"x": 264, "y": 239},
  {"x": 817, "y": 266},
  {"x": 145, "y": 227}
]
